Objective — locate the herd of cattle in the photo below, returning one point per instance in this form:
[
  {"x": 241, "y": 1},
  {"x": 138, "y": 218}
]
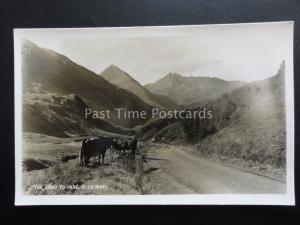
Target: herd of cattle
[{"x": 97, "y": 147}]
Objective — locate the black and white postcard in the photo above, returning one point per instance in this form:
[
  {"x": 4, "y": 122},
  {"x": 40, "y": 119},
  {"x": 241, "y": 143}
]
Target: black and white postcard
[{"x": 200, "y": 114}]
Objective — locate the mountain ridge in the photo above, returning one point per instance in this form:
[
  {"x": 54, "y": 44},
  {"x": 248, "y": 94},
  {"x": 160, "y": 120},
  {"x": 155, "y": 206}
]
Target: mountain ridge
[{"x": 189, "y": 90}]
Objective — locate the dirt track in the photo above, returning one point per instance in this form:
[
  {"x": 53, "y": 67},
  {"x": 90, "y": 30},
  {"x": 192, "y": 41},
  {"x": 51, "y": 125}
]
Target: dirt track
[{"x": 177, "y": 171}]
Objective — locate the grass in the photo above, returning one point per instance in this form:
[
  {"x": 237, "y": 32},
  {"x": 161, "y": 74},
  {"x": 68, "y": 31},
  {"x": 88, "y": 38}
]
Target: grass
[
  {"x": 49, "y": 163},
  {"x": 36, "y": 164},
  {"x": 122, "y": 175}
]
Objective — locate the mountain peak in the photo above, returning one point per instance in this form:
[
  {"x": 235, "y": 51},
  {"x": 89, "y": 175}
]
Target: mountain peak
[
  {"x": 112, "y": 66},
  {"x": 28, "y": 43},
  {"x": 120, "y": 78},
  {"x": 173, "y": 78},
  {"x": 114, "y": 73},
  {"x": 173, "y": 75},
  {"x": 189, "y": 90},
  {"x": 281, "y": 69}
]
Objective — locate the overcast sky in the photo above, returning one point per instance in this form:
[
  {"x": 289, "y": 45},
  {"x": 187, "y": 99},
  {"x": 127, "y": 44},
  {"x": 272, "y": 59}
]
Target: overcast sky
[{"x": 232, "y": 52}]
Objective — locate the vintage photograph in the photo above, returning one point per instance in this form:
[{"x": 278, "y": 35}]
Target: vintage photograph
[{"x": 187, "y": 111}]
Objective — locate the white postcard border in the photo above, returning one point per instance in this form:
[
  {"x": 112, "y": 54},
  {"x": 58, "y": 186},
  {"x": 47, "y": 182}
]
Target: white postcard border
[{"x": 178, "y": 199}]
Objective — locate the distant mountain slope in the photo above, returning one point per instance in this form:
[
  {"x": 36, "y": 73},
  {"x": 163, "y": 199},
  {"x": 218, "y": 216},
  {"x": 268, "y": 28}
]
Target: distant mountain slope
[
  {"x": 59, "y": 115},
  {"x": 58, "y": 74},
  {"x": 122, "y": 79},
  {"x": 247, "y": 123},
  {"x": 189, "y": 90}
]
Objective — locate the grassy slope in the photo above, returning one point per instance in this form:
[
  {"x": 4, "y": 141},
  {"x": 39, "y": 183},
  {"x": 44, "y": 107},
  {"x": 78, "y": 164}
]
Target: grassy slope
[
  {"x": 118, "y": 178},
  {"x": 256, "y": 131}
]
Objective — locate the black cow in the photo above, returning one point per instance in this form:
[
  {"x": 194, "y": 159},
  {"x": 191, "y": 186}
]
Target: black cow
[
  {"x": 93, "y": 147},
  {"x": 123, "y": 144}
]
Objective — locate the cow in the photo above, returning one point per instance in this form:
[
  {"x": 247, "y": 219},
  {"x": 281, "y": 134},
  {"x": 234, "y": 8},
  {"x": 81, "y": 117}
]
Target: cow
[
  {"x": 82, "y": 152},
  {"x": 93, "y": 147},
  {"x": 123, "y": 144}
]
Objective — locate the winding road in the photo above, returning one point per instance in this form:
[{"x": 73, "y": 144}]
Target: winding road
[{"x": 177, "y": 171}]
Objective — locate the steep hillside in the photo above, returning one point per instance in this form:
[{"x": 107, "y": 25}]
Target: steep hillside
[
  {"x": 58, "y": 74},
  {"x": 59, "y": 115},
  {"x": 189, "y": 90},
  {"x": 120, "y": 78},
  {"x": 247, "y": 123}
]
